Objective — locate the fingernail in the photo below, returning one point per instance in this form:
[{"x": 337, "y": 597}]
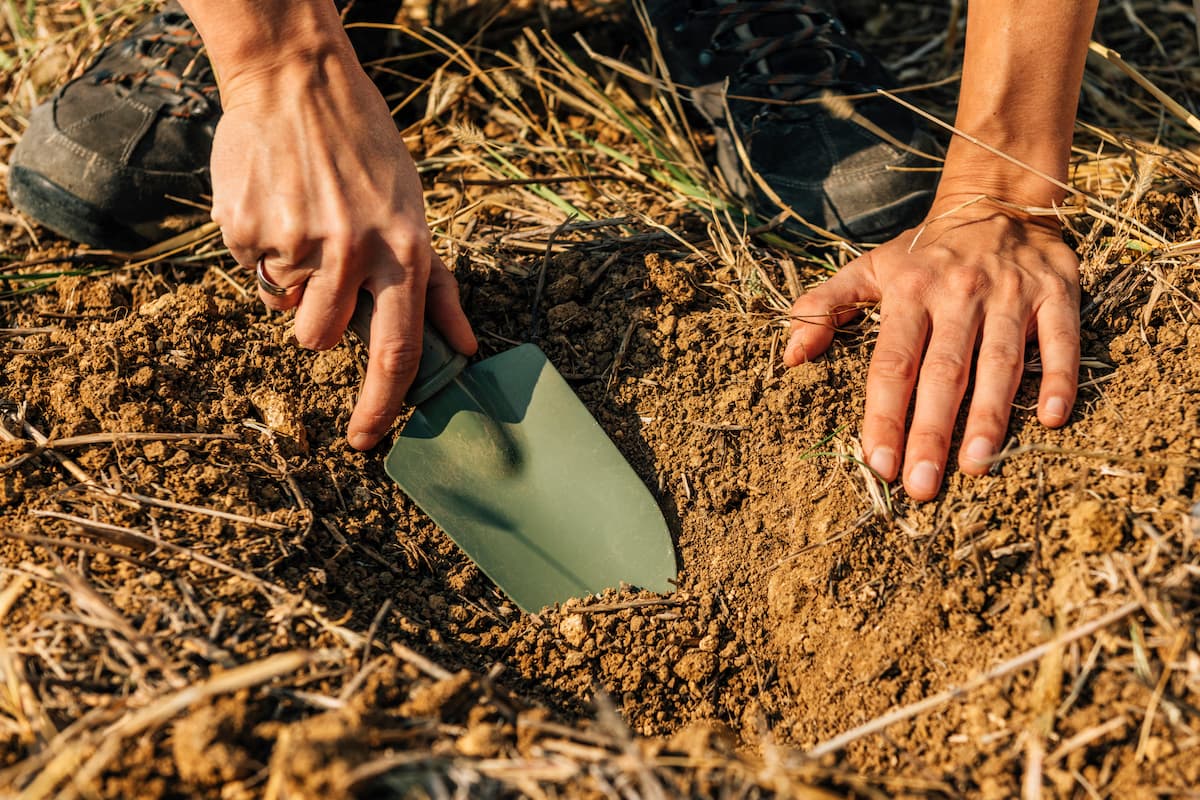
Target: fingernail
[
  {"x": 1056, "y": 409},
  {"x": 923, "y": 479},
  {"x": 795, "y": 348},
  {"x": 360, "y": 441},
  {"x": 979, "y": 450},
  {"x": 883, "y": 461}
]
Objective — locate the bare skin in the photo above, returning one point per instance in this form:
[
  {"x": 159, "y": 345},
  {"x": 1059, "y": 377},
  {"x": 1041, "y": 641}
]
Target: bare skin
[
  {"x": 309, "y": 171},
  {"x": 981, "y": 278}
]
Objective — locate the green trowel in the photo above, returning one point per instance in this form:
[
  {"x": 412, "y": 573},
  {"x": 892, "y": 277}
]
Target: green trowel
[{"x": 505, "y": 458}]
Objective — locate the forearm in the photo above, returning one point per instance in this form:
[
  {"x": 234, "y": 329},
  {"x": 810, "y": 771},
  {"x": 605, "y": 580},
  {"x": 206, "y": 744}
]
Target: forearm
[
  {"x": 1020, "y": 89},
  {"x": 268, "y": 41}
]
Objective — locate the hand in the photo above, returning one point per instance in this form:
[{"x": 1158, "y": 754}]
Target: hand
[
  {"x": 309, "y": 171},
  {"x": 965, "y": 290}
]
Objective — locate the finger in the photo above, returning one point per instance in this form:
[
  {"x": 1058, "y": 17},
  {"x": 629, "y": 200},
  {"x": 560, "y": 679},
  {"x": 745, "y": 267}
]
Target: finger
[
  {"x": 903, "y": 327},
  {"x": 1058, "y": 339},
  {"x": 394, "y": 354},
  {"x": 998, "y": 369},
  {"x": 279, "y": 274},
  {"x": 326, "y": 305},
  {"x": 940, "y": 389},
  {"x": 247, "y": 254},
  {"x": 444, "y": 310},
  {"x": 817, "y": 313}
]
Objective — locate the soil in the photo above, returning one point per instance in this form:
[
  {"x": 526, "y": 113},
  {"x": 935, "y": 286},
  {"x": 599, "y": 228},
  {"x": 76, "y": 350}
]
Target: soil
[
  {"x": 802, "y": 610},
  {"x": 810, "y": 599}
]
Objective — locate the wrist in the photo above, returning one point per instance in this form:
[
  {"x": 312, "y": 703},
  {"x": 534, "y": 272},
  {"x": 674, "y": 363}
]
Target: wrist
[
  {"x": 298, "y": 79},
  {"x": 1020, "y": 86},
  {"x": 1034, "y": 178},
  {"x": 269, "y": 41}
]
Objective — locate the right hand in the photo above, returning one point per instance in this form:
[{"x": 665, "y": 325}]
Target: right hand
[{"x": 309, "y": 171}]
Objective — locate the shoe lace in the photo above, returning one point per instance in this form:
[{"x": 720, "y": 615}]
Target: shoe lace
[
  {"x": 813, "y": 54},
  {"x": 171, "y": 61}
]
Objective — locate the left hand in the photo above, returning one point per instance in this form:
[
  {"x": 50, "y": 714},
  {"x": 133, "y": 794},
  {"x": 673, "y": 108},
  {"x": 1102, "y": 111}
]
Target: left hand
[{"x": 957, "y": 295}]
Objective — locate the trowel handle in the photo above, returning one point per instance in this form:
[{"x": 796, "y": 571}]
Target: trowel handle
[{"x": 439, "y": 365}]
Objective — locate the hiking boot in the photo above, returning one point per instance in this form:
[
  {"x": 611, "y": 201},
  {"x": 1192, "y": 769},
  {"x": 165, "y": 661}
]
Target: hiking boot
[
  {"x": 788, "y": 65},
  {"x": 118, "y": 158}
]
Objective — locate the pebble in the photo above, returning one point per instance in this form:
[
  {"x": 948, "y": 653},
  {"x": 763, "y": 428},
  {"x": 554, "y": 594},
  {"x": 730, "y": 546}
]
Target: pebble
[{"x": 574, "y": 629}]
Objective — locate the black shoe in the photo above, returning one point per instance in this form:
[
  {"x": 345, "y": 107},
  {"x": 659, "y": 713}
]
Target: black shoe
[
  {"x": 829, "y": 169},
  {"x": 107, "y": 159}
]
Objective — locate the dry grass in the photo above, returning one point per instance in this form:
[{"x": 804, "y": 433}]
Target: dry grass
[{"x": 528, "y": 146}]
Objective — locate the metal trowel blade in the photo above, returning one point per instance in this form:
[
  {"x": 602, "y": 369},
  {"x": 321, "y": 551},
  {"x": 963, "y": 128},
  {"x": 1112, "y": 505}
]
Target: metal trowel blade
[{"x": 509, "y": 463}]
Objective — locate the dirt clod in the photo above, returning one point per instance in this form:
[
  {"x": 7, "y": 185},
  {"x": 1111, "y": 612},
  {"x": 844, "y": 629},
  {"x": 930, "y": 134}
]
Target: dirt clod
[{"x": 1095, "y": 527}]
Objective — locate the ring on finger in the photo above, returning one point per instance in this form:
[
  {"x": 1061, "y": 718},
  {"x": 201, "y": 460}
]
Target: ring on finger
[{"x": 264, "y": 283}]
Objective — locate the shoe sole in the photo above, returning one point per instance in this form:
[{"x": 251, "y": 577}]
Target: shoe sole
[{"x": 53, "y": 207}]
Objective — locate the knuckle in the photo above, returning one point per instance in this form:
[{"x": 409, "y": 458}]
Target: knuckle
[
  {"x": 340, "y": 247},
  {"x": 290, "y": 232},
  {"x": 422, "y": 238},
  {"x": 893, "y": 364},
  {"x": 410, "y": 229},
  {"x": 881, "y": 429},
  {"x": 413, "y": 253},
  {"x": 967, "y": 282},
  {"x": 910, "y": 287},
  {"x": 810, "y": 312},
  {"x": 988, "y": 419},
  {"x": 342, "y": 230},
  {"x": 946, "y": 367},
  {"x": 1059, "y": 289},
  {"x": 229, "y": 211},
  {"x": 924, "y": 442},
  {"x": 1061, "y": 336},
  {"x": 1008, "y": 284},
  {"x": 1060, "y": 377},
  {"x": 411, "y": 242},
  {"x": 1003, "y": 356},
  {"x": 235, "y": 238},
  {"x": 397, "y": 362}
]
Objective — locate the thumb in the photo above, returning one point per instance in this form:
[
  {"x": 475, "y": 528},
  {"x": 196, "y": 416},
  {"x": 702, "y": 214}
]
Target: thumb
[{"x": 817, "y": 313}]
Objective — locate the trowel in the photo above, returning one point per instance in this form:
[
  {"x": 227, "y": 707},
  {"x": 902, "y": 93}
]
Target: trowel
[{"x": 504, "y": 457}]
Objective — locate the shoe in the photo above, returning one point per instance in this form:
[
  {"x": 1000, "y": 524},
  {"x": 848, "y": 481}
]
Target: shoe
[
  {"x": 758, "y": 71},
  {"x": 118, "y": 158}
]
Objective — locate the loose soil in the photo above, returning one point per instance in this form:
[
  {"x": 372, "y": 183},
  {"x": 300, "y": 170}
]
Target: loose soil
[
  {"x": 810, "y": 599},
  {"x": 801, "y": 612}
]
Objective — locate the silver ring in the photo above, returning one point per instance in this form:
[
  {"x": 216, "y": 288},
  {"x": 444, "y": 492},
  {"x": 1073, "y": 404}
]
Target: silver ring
[{"x": 264, "y": 283}]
